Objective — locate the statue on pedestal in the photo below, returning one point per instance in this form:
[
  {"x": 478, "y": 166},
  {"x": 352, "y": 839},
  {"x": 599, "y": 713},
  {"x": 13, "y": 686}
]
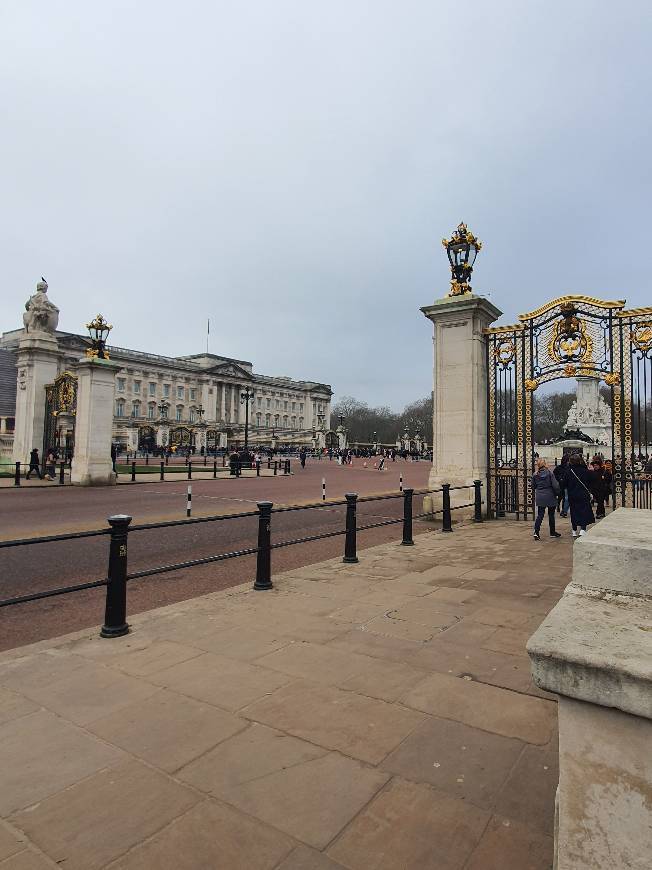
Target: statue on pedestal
[{"x": 41, "y": 315}]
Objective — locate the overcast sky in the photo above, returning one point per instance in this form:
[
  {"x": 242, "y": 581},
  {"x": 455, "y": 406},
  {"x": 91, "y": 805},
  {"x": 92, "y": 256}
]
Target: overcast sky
[{"x": 288, "y": 169}]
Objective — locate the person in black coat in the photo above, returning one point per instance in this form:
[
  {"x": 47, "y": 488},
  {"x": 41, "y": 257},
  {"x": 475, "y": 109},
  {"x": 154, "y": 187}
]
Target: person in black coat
[
  {"x": 601, "y": 485},
  {"x": 560, "y": 473},
  {"x": 579, "y": 485},
  {"x": 34, "y": 464}
]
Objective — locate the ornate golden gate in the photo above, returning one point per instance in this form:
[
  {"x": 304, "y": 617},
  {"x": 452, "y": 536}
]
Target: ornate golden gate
[
  {"x": 60, "y": 411},
  {"x": 573, "y": 336}
]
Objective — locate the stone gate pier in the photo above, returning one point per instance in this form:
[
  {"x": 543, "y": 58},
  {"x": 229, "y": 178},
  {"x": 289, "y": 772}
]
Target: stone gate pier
[{"x": 594, "y": 650}]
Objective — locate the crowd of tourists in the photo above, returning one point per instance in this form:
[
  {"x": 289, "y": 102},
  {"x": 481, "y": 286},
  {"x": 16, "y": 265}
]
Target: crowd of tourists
[{"x": 572, "y": 486}]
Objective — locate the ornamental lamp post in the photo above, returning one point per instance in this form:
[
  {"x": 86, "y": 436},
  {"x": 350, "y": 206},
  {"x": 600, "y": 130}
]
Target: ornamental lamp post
[
  {"x": 245, "y": 397},
  {"x": 462, "y": 249},
  {"x": 98, "y": 329}
]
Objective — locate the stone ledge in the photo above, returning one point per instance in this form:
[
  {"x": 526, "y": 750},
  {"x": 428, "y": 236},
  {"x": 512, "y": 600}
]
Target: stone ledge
[{"x": 596, "y": 650}]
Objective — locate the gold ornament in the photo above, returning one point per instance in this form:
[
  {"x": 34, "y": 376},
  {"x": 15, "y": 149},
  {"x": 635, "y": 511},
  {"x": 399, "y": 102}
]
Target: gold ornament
[
  {"x": 531, "y": 384},
  {"x": 612, "y": 379}
]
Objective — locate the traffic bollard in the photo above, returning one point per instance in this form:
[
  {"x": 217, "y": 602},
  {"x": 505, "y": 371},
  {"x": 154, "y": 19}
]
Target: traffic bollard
[
  {"x": 407, "y": 518},
  {"x": 189, "y": 501},
  {"x": 477, "y": 484},
  {"x": 323, "y": 489},
  {"x": 446, "y": 521},
  {"x": 275, "y": 467},
  {"x": 189, "y": 470},
  {"x": 115, "y": 613},
  {"x": 264, "y": 555},
  {"x": 214, "y": 469},
  {"x": 162, "y": 470},
  {"x": 258, "y": 468},
  {"x": 133, "y": 471},
  {"x": 62, "y": 469},
  {"x": 17, "y": 475},
  {"x": 350, "y": 554}
]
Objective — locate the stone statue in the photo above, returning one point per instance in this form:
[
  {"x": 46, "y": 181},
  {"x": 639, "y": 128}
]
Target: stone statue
[{"x": 40, "y": 315}]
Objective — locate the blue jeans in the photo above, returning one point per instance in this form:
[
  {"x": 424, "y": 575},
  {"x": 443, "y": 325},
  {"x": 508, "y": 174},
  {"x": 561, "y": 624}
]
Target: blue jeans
[{"x": 540, "y": 515}]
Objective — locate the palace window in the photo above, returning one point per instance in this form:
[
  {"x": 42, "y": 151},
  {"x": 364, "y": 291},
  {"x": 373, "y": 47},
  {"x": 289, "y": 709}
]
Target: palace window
[
  {"x": 294, "y": 422},
  {"x": 192, "y": 415},
  {"x": 120, "y": 408},
  {"x": 193, "y": 394},
  {"x": 121, "y": 384},
  {"x": 166, "y": 391},
  {"x": 179, "y": 413},
  {"x": 276, "y": 419},
  {"x": 301, "y": 407},
  {"x": 285, "y": 406},
  {"x": 258, "y": 419},
  {"x": 137, "y": 387},
  {"x": 135, "y": 409},
  {"x": 314, "y": 408},
  {"x": 285, "y": 421},
  {"x": 300, "y": 422},
  {"x": 294, "y": 406},
  {"x": 278, "y": 404},
  {"x": 267, "y": 420},
  {"x": 152, "y": 388},
  {"x": 259, "y": 402},
  {"x": 179, "y": 392},
  {"x": 269, "y": 403},
  {"x": 151, "y": 411}
]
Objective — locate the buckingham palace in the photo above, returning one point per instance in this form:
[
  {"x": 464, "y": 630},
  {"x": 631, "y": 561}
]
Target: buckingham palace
[{"x": 192, "y": 401}]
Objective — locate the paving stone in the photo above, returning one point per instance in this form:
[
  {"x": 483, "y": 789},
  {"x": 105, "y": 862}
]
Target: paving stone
[
  {"x": 508, "y": 640},
  {"x": 449, "y": 595},
  {"x": 484, "y": 666},
  {"x": 220, "y": 681},
  {"x": 383, "y": 679},
  {"x": 499, "y": 616},
  {"x": 27, "y": 860},
  {"x": 37, "y": 670},
  {"x": 467, "y": 632},
  {"x": 357, "y": 613},
  {"x": 304, "y": 858},
  {"x": 313, "y": 800},
  {"x": 104, "y": 834},
  {"x": 483, "y": 574},
  {"x": 10, "y": 842},
  {"x": 429, "y": 611},
  {"x": 13, "y": 705},
  {"x": 462, "y": 761},
  {"x": 156, "y": 656},
  {"x": 387, "y": 648},
  {"x": 87, "y": 692},
  {"x": 249, "y": 755},
  {"x": 488, "y": 707},
  {"x": 323, "y": 664},
  {"x": 168, "y": 730},
  {"x": 208, "y": 836},
  {"x": 243, "y": 643},
  {"x": 529, "y": 793},
  {"x": 41, "y": 754},
  {"x": 310, "y": 628},
  {"x": 440, "y": 574},
  {"x": 361, "y": 727},
  {"x": 509, "y": 844},
  {"x": 389, "y": 625},
  {"x": 411, "y": 827}
]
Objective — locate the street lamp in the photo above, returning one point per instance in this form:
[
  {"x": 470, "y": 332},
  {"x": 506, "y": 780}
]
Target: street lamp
[
  {"x": 341, "y": 418},
  {"x": 462, "y": 249},
  {"x": 98, "y": 329},
  {"x": 245, "y": 397}
]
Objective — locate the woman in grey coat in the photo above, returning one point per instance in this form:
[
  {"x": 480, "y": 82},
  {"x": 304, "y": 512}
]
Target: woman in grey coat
[{"x": 546, "y": 489}]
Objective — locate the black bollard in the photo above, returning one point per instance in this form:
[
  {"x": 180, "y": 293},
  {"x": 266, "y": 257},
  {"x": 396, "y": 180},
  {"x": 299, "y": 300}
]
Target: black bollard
[
  {"x": 205, "y": 459},
  {"x": 189, "y": 470},
  {"x": 133, "y": 471},
  {"x": 115, "y": 615},
  {"x": 214, "y": 469},
  {"x": 62, "y": 467},
  {"x": 275, "y": 467},
  {"x": 17, "y": 475},
  {"x": 446, "y": 521},
  {"x": 162, "y": 470},
  {"x": 238, "y": 469},
  {"x": 264, "y": 556},
  {"x": 477, "y": 485},
  {"x": 407, "y": 518},
  {"x": 147, "y": 459},
  {"x": 258, "y": 468},
  {"x": 350, "y": 554}
]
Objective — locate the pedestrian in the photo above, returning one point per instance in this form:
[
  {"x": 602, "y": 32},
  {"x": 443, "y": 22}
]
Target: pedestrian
[
  {"x": 34, "y": 464},
  {"x": 601, "y": 485},
  {"x": 381, "y": 464},
  {"x": 302, "y": 457},
  {"x": 560, "y": 472},
  {"x": 545, "y": 487},
  {"x": 51, "y": 464},
  {"x": 579, "y": 481}
]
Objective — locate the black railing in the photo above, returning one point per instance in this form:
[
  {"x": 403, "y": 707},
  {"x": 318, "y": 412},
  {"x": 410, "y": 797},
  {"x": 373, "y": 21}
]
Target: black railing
[
  {"x": 120, "y": 528},
  {"x": 51, "y": 470}
]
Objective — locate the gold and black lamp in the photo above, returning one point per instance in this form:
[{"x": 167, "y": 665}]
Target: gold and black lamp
[
  {"x": 245, "y": 397},
  {"x": 98, "y": 329},
  {"x": 462, "y": 249}
]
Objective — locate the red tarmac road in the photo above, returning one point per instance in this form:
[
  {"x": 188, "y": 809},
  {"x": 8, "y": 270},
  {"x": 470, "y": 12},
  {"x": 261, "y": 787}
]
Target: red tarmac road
[{"x": 33, "y": 512}]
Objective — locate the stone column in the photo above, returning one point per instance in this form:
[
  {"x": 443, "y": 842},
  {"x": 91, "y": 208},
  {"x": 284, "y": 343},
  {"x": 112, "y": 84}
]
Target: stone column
[
  {"x": 223, "y": 405},
  {"x": 460, "y": 391},
  {"x": 37, "y": 365},
  {"x": 594, "y": 650},
  {"x": 91, "y": 464}
]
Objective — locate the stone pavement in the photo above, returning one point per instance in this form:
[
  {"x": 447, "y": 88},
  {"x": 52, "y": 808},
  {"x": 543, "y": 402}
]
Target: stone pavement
[{"x": 378, "y": 715}]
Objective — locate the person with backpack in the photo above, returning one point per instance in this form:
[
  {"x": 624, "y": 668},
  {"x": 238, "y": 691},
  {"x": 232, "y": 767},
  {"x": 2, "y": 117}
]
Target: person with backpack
[{"x": 546, "y": 487}]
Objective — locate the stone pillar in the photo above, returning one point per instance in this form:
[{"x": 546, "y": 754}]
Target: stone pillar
[
  {"x": 37, "y": 365},
  {"x": 460, "y": 390},
  {"x": 594, "y": 650},
  {"x": 223, "y": 405},
  {"x": 91, "y": 464}
]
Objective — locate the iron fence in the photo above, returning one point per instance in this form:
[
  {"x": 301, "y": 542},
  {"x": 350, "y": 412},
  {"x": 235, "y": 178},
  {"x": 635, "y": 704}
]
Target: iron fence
[{"x": 120, "y": 528}]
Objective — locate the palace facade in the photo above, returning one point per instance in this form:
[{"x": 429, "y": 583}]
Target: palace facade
[{"x": 189, "y": 401}]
